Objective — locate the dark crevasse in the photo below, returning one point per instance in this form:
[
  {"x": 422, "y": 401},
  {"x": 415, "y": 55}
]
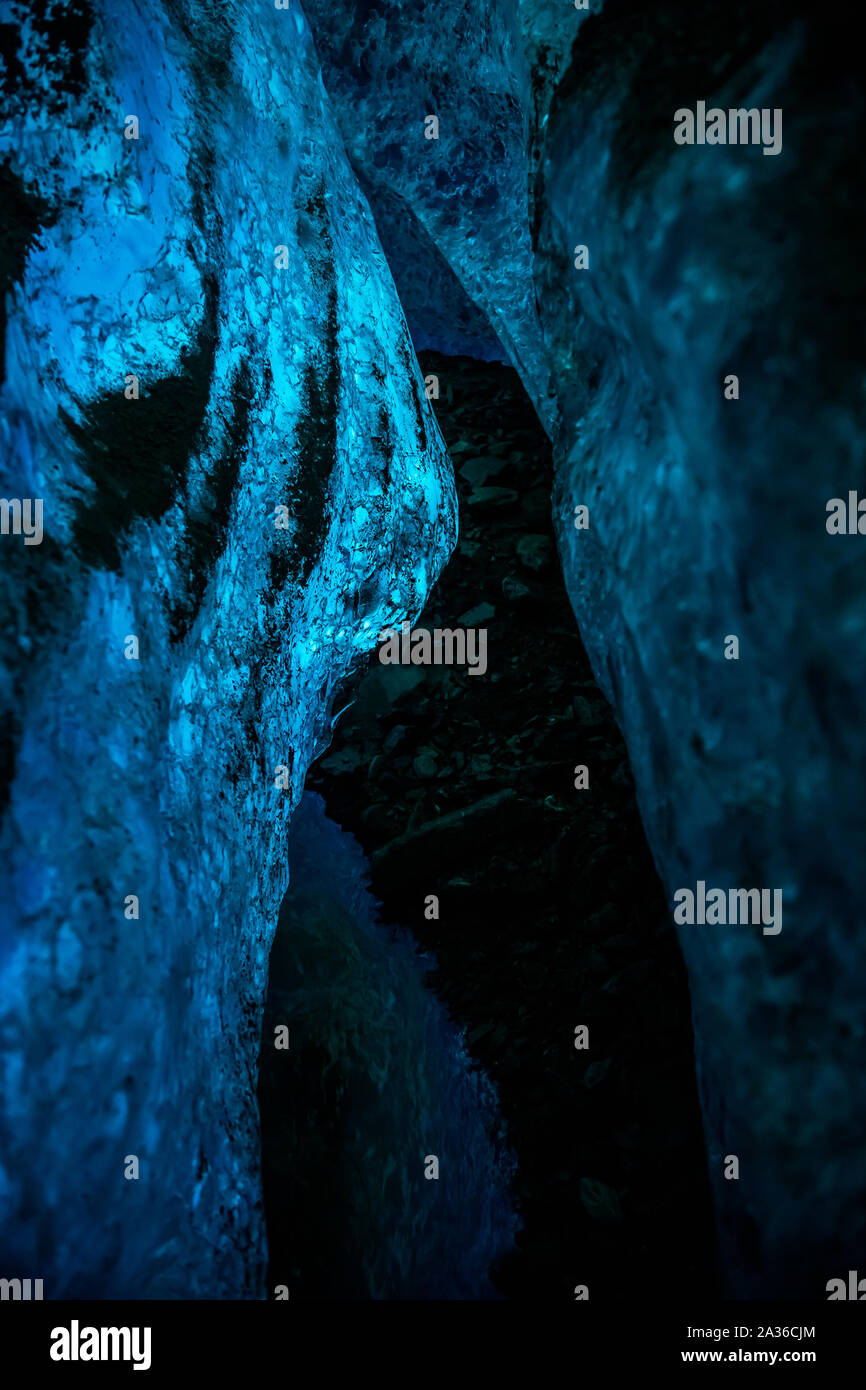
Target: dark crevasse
[
  {"x": 549, "y": 912},
  {"x": 374, "y": 1083}
]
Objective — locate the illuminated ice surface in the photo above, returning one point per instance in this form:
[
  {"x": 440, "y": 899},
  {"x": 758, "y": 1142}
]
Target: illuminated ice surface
[{"x": 156, "y": 777}]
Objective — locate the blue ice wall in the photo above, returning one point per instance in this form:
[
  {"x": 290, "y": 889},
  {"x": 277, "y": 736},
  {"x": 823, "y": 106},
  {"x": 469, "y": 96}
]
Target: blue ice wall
[
  {"x": 706, "y": 515},
  {"x": 354, "y": 994},
  {"x": 388, "y": 69},
  {"x": 708, "y": 519},
  {"x": 226, "y": 258}
]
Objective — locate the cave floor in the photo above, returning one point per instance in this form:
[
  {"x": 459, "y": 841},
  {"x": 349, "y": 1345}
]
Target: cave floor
[{"x": 551, "y": 914}]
